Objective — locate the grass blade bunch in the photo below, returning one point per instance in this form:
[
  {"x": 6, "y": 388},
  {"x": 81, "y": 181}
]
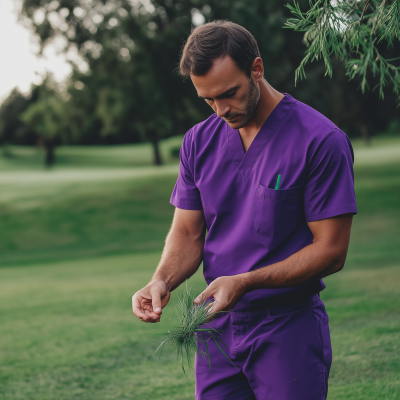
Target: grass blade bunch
[{"x": 186, "y": 338}]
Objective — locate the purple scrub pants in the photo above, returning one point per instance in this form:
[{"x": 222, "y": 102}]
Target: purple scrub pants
[{"x": 282, "y": 353}]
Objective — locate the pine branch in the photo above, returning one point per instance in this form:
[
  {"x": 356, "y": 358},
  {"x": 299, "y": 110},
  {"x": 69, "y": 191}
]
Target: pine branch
[
  {"x": 186, "y": 338},
  {"x": 363, "y": 11},
  {"x": 344, "y": 30},
  {"x": 391, "y": 20}
]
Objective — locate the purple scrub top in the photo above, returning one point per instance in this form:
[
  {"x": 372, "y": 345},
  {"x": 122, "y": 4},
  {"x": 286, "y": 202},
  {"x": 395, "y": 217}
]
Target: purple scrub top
[{"x": 250, "y": 224}]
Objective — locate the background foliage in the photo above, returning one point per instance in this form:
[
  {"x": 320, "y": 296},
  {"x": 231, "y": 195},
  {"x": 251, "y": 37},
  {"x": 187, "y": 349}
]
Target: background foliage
[
  {"x": 78, "y": 240},
  {"x": 125, "y": 88},
  {"x": 362, "y": 34}
]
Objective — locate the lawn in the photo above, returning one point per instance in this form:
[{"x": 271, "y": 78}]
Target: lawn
[
  {"x": 79, "y": 240},
  {"x": 23, "y": 158}
]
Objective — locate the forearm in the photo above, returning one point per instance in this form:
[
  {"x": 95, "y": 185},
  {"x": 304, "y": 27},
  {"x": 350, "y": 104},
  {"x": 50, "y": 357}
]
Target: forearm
[
  {"x": 181, "y": 257},
  {"x": 311, "y": 263}
]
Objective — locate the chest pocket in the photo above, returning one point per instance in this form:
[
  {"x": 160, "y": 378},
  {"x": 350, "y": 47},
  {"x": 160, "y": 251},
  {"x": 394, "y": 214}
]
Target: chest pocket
[{"x": 277, "y": 212}]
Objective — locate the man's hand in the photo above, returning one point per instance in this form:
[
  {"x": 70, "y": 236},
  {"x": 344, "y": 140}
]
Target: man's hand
[
  {"x": 226, "y": 290},
  {"x": 182, "y": 255},
  {"x": 147, "y": 303}
]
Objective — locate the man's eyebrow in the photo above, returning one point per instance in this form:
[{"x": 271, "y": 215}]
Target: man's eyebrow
[{"x": 223, "y": 94}]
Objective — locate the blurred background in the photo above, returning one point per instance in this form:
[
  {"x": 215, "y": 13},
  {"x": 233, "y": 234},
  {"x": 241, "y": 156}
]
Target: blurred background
[{"x": 92, "y": 116}]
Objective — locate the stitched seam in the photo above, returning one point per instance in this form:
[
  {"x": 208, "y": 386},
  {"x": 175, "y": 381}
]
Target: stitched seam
[
  {"x": 300, "y": 106},
  {"x": 334, "y": 209},
  {"x": 324, "y": 136},
  {"x": 287, "y": 198},
  {"x": 255, "y": 210},
  {"x": 341, "y": 133},
  {"x": 322, "y": 353},
  {"x": 265, "y": 234},
  {"x": 349, "y": 207},
  {"x": 323, "y": 382},
  {"x": 190, "y": 138},
  {"x": 183, "y": 204},
  {"x": 318, "y": 331},
  {"x": 219, "y": 398},
  {"x": 259, "y": 230},
  {"x": 230, "y": 151},
  {"x": 199, "y": 128},
  {"x": 258, "y": 155}
]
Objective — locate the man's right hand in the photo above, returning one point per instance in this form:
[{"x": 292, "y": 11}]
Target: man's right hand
[{"x": 147, "y": 303}]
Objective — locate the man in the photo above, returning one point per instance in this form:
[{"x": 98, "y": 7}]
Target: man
[{"x": 271, "y": 180}]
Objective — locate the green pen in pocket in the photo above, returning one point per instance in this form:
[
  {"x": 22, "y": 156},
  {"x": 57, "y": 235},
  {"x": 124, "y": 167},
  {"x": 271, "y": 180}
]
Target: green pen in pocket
[{"x": 278, "y": 182}]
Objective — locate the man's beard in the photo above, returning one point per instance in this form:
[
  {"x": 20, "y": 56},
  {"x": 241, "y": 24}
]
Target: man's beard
[{"x": 251, "y": 105}]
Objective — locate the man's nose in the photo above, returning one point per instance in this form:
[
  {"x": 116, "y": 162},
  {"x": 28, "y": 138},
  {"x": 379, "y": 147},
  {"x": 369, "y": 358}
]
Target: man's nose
[{"x": 221, "y": 108}]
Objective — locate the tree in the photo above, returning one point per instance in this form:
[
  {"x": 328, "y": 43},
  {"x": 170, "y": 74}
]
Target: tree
[
  {"x": 131, "y": 50},
  {"x": 125, "y": 53},
  {"x": 47, "y": 117},
  {"x": 12, "y": 129},
  {"x": 359, "y": 33}
]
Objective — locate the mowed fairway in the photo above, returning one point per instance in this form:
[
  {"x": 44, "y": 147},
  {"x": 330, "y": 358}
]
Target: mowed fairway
[
  {"x": 67, "y": 331},
  {"x": 75, "y": 247}
]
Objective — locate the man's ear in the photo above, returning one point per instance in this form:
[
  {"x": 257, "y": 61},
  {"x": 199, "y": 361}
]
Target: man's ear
[{"x": 257, "y": 69}]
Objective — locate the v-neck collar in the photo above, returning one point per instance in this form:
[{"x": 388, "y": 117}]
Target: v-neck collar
[{"x": 245, "y": 161}]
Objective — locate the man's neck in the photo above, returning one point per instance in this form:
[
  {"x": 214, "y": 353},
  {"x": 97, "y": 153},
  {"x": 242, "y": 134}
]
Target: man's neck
[{"x": 269, "y": 99}]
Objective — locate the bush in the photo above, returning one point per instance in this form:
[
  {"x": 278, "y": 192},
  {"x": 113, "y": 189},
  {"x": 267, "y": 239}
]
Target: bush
[{"x": 175, "y": 152}]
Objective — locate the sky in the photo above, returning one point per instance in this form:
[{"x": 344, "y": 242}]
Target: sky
[
  {"x": 19, "y": 64},
  {"x": 19, "y": 67}
]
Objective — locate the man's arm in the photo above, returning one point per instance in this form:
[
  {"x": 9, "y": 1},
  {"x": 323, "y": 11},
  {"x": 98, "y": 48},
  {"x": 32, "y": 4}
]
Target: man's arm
[
  {"x": 325, "y": 256},
  {"x": 182, "y": 255}
]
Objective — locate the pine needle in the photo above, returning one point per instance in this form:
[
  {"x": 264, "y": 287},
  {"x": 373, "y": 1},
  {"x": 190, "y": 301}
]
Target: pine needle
[
  {"x": 344, "y": 28},
  {"x": 185, "y": 339}
]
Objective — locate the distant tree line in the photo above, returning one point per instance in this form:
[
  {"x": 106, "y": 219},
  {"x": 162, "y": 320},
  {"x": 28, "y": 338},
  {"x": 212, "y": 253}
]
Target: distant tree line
[{"x": 128, "y": 89}]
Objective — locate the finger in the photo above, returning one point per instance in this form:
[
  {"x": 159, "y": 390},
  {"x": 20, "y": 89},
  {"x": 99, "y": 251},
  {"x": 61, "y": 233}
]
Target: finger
[
  {"x": 218, "y": 306},
  {"x": 211, "y": 311},
  {"x": 202, "y": 297},
  {"x": 156, "y": 301},
  {"x": 150, "y": 321},
  {"x": 151, "y": 314},
  {"x": 211, "y": 306},
  {"x": 137, "y": 309},
  {"x": 152, "y": 317}
]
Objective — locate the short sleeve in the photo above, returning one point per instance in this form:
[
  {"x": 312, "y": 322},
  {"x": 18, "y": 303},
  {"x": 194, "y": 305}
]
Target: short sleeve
[
  {"x": 329, "y": 187},
  {"x": 186, "y": 195}
]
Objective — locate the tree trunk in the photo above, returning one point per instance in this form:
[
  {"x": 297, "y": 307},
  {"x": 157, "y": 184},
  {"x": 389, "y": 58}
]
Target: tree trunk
[
  {"x": 50, "y": 156},
  {"x": 156, "y": 148},
  {"x": 365, "y": 132}
]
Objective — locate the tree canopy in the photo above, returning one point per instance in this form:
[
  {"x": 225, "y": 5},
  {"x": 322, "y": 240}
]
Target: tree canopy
[
  {"x": 49, "y": 119},
  {"x": 125, "y": 86}
]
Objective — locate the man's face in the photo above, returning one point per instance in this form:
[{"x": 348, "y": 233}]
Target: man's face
[{"x": 229, "y": 91}]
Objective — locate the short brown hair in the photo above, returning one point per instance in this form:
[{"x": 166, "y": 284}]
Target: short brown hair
[{"x": 218, "y": 39}]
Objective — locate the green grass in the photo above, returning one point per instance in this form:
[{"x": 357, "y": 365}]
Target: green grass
[
  {"x": 67, "y": 331},
  {"x": 23, "y": 158},
  {"x": 76, "y": 243},
  {"x": 74, "y": 220},
  {"x": 94, "y": 201}
]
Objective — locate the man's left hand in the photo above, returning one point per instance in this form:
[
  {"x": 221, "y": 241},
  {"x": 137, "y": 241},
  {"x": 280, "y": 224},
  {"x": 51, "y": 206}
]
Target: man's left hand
[{"x": 226, "y": 291}]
